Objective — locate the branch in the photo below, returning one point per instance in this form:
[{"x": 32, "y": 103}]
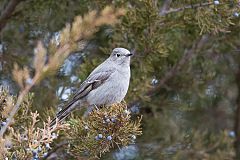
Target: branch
[
  {"x": 174, "y": 70},
  {"x": 6, "y": 14},
  {"x": 16, "y": 107},
  {"x": 193, "y": 6},
  {"x": 37, "y": 77}
]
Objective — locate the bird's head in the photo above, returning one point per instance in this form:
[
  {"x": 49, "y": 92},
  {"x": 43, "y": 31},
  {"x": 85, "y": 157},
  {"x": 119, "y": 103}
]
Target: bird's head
[{"x": 121, "y": 56}]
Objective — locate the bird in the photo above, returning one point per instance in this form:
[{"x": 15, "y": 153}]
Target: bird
[{"x": 107, "y": 84}]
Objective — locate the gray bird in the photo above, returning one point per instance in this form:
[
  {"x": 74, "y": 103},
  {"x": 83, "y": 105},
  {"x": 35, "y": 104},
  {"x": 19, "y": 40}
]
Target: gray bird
[{"x": 106, "y": 85}]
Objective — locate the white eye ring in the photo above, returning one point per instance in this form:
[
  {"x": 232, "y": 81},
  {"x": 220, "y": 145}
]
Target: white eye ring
[{"x": 118, "y": 55}]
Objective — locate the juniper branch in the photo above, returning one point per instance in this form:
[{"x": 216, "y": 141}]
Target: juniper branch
[{"x": 16, "y": 107}]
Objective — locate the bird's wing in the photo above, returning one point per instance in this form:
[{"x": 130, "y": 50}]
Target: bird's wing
[{"x": 94, "y": 80}]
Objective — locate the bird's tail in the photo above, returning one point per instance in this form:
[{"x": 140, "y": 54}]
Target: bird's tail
[{"x": 61, "y": 115}]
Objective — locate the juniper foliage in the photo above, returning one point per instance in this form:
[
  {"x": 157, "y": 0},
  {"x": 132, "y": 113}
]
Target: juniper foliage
[{"x": 184, "y": 69}]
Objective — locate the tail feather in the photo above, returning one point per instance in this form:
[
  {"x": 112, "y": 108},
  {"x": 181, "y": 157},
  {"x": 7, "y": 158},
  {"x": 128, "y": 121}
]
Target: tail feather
[
  {"x": 61, "y": 115},
  {"x": 58, "y": 119}
]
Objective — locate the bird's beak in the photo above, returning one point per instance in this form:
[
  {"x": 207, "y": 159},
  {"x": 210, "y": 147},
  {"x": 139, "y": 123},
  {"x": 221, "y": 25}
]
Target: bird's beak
[{"x": 130, "y": 54}]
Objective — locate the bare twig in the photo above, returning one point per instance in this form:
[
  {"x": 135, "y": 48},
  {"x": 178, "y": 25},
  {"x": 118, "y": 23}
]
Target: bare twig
[
  {"x": 174, "y": 70},
  {"x": 6, "y": 14},
  {"x": 174, "y": 10}
]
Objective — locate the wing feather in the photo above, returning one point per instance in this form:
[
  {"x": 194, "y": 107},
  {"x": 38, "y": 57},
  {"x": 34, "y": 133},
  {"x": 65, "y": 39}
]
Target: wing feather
[{"x": 92, "y": 82}]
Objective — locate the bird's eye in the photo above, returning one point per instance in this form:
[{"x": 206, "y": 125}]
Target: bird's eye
[{"x": 118, "y": 55}]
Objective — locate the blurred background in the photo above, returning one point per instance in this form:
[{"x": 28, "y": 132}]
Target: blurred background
[{"x": 185, "y": 72}]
